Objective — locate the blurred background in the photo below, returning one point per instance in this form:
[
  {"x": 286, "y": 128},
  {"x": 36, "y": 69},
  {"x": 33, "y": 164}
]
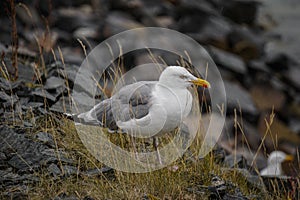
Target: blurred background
[{"x": 255, "y": 44}]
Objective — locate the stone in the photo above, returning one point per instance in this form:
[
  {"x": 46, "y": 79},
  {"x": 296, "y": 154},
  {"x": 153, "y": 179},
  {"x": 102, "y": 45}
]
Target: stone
[
  {"x": 45, "y": 138},
  {"x": 292, "y": 76},
  {"x": 7, "y": 178},
  {"x": 69, "y": 73},
  {"x": 246, "y": 43},
  {"x": 217, "y": 188},
  {"x": 32, "y": 105},
  {"x": 4, "y": 97},
  {"x": 117, "y": 22},
  {"x": 266, "y": 97},
  {"x": 54, "y": 170},
  {"x": 82, "y": 101},
  {"x": 22, "y": 13},
  {"x": 69, "y": 170},
  {"x": 294, "y": 125},
  {"x": 2, "y": 156},
  {"x": 71, "y": 18},
  {"x": 158, "y": 8},
  {"x": 26, "y": 154},
  {"x": 53, "y": 83},
  {"x": 278, "y": 62},
  {"x": 63, "y": 105},
  {"x": 284, "y": 25},
  {"x": 52, "y": 155},
  {"x": 239, "y": 98},
  {"x": 186, "y": 7},
  {"x": 3, "y": 161},
  {"x": 8, "y": 101},
  {"x": 40, "y": 95},
  {"x": 228, "y": 60},
  {"x": 237, "y": 161},
  {"x": 253, "y": 180},
  {"x": 258, "y": 66},
  {"x": 73, "y": 56},
  {"x": 212, "y": 31},
  {"x": 240, "y": 11},
  {"x": 97, "y": 172},
  {"x": 64, "y": 196},
  {"x": 5, "y": 84},
  {"x": 86, "y": 33}
]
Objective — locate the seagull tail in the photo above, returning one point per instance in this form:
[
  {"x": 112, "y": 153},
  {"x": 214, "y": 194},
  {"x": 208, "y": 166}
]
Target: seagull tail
[{"x": 99, "y": 115}]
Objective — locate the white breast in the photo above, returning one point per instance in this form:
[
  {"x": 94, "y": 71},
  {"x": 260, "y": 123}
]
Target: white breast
[{"x": 177, "y": 103}]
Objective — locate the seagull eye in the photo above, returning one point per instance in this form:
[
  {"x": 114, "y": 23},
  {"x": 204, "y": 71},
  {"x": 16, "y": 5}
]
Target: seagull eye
[{"x": 183, "y": 77}]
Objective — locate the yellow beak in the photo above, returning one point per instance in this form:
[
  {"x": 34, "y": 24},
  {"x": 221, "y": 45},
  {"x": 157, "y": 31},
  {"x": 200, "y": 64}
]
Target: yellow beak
[
  {"x": 289, "y": 158},
  {"x": 201, "y": 82}
]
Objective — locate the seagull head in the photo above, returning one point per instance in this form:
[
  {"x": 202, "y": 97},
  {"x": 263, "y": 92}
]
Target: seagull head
[
  {"x": 275, "y": 161},
  {"x": 177, "y": 76},
  {"x": 277, "y": 157}
]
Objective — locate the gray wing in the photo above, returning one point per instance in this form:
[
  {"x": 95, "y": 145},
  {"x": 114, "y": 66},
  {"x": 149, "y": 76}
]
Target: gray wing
[{"x": 132, "y": 101}]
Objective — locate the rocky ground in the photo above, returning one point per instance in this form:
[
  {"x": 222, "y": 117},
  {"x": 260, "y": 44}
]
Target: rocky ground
[{"x": 262, "y": 87}]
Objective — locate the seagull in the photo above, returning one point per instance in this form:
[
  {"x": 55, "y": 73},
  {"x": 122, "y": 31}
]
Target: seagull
[
  {"x": 275, "y": 160},
  {"x": 147, "y": 108}
]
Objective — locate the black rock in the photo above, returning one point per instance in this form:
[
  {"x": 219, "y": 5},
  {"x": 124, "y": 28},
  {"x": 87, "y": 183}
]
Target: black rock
[
  {"x": 158, "y": 8},
  {"x": 68, "y": 72},
  {"x": 240, "y": 11},
  {"x": 293, "y": 76},
  {"x": 69, "y": 19},
  {"x": 117, "y": 22},
  {"x": 33, "y": 20},
  {"x": 3, "y": 161},
  {"x": 211, "y": 30},
  {"x": 83, "y": 102},
  {"x": 237, "y": 195},
  {"x": 54, "y": 83},
  {"x": 143, "y": 11},
  {"x": 5, "y": 84},
  {"x": 246, "y": 43},
  {"x": 54, "y": 170},
  {"x": 63, "y": 105},
  {"x": 186, "y": 7},
  {"x": 88, "y": 198},
  {"x": 16, "y": 195},
  {"x": 55, "y": 86},
  {"x": 258, "y": 66},
  {"x": 294, "y": 125},
  {"x": 97, "y": 172},
  {"x": 237, "y": 161},
  {"x": 24, "y": 154},
  {"x": 217, "y": 188},
  {"x": 7, "y": 101},
  {"x": 32, "y": 105},
  {"x": 64, "y": 196},
  {"x": 46, "y": 138},
  {"x": 51, "y": 155},
  {"x": 277, "y": 62},
  {"x": 2, "y": 156},
  {"x": 239, "y": 98},
  {"x": 40, "y": 95},
  {"x": 69, "y": 170},
  {"x": 228, "y": 60},
  {"x": 7, "y": 177}
]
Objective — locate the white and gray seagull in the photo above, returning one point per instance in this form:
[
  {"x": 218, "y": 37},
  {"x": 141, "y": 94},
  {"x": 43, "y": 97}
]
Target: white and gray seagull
[
  {"x": 147, "y": 108},
  {"x": 275, "y": 160}
]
